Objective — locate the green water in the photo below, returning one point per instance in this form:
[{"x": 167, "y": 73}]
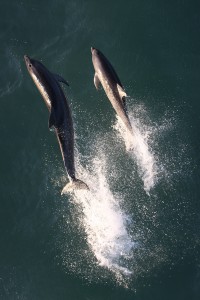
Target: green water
[{"x": 135, "y": 235}]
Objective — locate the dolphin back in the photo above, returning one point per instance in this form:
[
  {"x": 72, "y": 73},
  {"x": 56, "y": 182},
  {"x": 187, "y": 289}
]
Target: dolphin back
[
  {"x": 75, "y": 184},
  {"x": 111, "y": 68}
]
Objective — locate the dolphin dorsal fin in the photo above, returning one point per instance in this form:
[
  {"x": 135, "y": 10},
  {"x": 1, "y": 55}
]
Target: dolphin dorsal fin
[
  {"x": 122, "y": 93},
  {"x": 60, "y": 79},
  {"x": 96, "y": 81}
]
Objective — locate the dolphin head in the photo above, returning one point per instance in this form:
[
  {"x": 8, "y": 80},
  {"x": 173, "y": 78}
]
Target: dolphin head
[
  {"x": 96, "y": 58},
  {"x": 35, "y": 69},
  {"x": 95, "y": 55},
  {"x": 33, "y": 66},
  {"x": 28, "y": 62}
]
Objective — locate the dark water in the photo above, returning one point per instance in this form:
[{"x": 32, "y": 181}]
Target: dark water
[{"x": 136, "y": 234}]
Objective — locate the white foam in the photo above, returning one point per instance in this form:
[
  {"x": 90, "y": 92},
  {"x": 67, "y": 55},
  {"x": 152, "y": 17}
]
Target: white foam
[
  {"x": 104, "y": 221},
  {"x": 117, "y": 243},
  {"x": 138, "y": 148}
]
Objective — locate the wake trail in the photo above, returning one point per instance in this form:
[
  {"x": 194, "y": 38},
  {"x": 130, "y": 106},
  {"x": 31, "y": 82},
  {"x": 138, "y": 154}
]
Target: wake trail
[
  {"x": 104, "y": 221},
  {"x": 139, "y": 149}
]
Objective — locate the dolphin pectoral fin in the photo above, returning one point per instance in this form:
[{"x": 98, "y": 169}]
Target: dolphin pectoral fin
[
  {"x": 122, "y": 93},
  {"x": 60, "y": 79},
  {"x": 96, "y": 81}
]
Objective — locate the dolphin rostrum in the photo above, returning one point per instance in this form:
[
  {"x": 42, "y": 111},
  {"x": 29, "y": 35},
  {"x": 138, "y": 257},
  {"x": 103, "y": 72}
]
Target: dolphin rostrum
[
  {"x": 106, "y": 75},
  {"x": 60, "y": 116}
]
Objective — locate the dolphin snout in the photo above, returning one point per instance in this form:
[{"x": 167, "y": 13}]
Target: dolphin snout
[
  {"x": 94, "y": 51},
  {"x": 26, "y": 58}
]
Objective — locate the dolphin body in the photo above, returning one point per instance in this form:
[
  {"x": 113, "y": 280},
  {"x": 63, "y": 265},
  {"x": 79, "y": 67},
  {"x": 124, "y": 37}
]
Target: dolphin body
[
  {"x": 106, "y": 75},
  {"x": 60, "y": 116}
]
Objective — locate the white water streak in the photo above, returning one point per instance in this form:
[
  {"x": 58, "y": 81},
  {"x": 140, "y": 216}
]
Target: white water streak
[
  {"x": 138, "y": 148},
  {"x": 104, "y": 220}
]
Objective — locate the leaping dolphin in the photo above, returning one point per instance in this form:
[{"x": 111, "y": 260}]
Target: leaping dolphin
[
  {"x": 60, "y": 116},
  {"x": 106, "y": 75}
]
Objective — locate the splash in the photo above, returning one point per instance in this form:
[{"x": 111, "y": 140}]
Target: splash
[
  {"x": 104, "y": 221},
  {"x": 138, "y": 147},
  {"x": 130, "y": 245}
]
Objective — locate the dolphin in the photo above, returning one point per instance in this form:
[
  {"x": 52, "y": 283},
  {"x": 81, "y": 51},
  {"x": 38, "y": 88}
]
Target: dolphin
[
  {"x": 106, "y": 75},
  {"x": 60, "y": 116}
]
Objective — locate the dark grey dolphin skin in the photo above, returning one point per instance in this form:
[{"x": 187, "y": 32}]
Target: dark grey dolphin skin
[
  {"x": 60, "y": 116},
  {"x": 106, "y": 75}
]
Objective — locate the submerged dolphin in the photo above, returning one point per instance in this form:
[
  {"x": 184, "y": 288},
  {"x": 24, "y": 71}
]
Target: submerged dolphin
[
  {"x": 106, "y": 75},
  {"x": 60, "y": 116}
]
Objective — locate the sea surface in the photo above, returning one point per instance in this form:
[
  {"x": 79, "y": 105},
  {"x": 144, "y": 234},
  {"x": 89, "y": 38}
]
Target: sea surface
[{"x": 136, "y": 234}]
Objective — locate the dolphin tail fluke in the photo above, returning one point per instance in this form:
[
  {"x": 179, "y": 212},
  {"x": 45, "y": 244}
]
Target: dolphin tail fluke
[{"x": 75, "y": 184}]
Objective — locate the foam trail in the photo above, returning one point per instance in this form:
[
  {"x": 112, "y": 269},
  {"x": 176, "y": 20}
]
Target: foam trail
[
  {"x": 104, "y": 221},
  {"x": 137, "y": 146}
]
